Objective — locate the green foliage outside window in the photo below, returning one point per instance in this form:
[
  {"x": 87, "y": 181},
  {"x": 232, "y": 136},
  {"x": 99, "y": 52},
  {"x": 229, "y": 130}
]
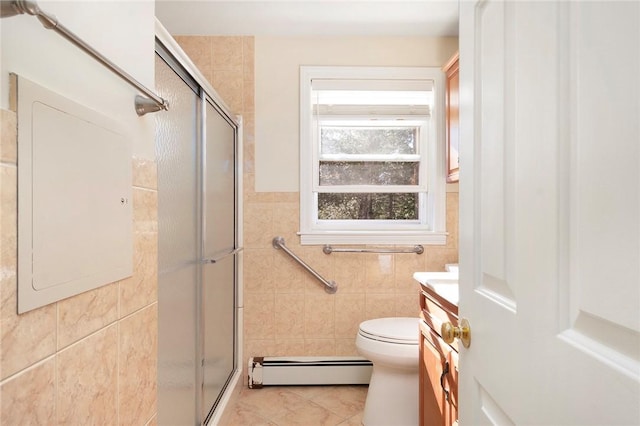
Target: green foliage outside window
[{"x": 384, "y": 143}]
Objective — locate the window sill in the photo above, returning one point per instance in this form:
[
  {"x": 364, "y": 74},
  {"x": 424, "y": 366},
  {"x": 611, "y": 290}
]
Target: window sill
[{"x": 373, "y": 237}]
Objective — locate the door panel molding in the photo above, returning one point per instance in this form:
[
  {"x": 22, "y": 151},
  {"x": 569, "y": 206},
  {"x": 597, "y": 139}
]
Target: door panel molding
[
  {"x": 599, "y": 247},
  {"x": 491, "y": 409},
  {"x": 495, "y": 187}
]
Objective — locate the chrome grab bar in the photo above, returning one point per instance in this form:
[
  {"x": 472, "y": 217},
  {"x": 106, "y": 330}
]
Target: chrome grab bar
[
  {"x": 330, "y": 286},
  {"x": 218, "y": 259},
  {"x": 327, "y": 249}
]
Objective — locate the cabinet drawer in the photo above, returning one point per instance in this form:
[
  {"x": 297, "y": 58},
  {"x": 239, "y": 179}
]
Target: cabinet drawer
[{"x": 434, "y": 315}]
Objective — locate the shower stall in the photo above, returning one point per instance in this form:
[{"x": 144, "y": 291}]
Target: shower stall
[{"x": 198, "y": 243}]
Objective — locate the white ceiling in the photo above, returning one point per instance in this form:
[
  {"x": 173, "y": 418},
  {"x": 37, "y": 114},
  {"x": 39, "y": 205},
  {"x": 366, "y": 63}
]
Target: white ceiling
[{"x": 310, "y": 17}]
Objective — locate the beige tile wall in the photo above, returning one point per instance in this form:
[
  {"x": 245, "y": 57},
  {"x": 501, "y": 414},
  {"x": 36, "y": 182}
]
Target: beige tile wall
[
  {"x": 89, "y": 359},
  {"x": 286, "y": 310}
]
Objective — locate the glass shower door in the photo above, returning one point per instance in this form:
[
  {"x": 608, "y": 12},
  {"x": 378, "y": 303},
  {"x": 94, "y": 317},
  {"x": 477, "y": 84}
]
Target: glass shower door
[
  {"x": 178, "y": 242},
  {"x": 219, "y": 245}
]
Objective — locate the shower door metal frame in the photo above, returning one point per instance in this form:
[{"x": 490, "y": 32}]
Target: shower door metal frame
[
  {"x": 207, "y": 98},
  {"x": 172, "y": 54}
]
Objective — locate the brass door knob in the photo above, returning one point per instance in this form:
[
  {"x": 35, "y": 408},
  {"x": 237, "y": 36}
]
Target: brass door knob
[{"x": 450, "y": 332}]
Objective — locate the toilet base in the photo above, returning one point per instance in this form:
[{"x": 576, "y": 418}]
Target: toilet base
[{"x": 392, "y": 399}]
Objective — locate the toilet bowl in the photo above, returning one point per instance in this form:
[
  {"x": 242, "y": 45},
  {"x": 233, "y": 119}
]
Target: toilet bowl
[{"x": 392, "y": 345}]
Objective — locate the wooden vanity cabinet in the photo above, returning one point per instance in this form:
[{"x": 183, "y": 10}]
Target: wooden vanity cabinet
[{"x": 438, "y": 363}]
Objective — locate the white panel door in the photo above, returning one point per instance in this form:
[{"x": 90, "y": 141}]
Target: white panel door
[{"x": 550, "y": 212}]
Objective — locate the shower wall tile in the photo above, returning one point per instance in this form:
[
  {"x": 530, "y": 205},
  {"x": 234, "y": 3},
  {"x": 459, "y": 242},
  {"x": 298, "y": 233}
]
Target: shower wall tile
[
  {"x": 29, "y": 397},
  {"x": 140, "y": 289},
  {"x": 379, "y": 273},
  {"x": 28, "y": 338},
  {"x": 8, "y": 136},
  {"x": 259, "y": 347},
  {"x": 8, "y": 219},
  {"x": 229, "y": 84},
  {"x": 227, "y": 52},
  {"x": 252, "y": 197},
  {"x": 438, "y": 257},
  {"x": 138, "y": 360},
  {"x": 319, "y": 315},
  {"x": 145, "y": 173},
  {"x": 59, "y": 363},
  {"x": 288, "y": 223},
  {"x": 286, "y": 197},
  {"x": 406, "y": 265},
  {"x": 320, "y": 262},
  {"x": 81, "y": 315},
  {"x": 259, "y": 316},
  {"x": 350, "y": 312},
  {"x": 258, "y": 225},
  {"x": 288, "y": 308},
  {"x": 407, "y": 305},
  {"x": 290, "y": 347},
  {"x": 198, "y": 48},
  {"x": 87, "y": 376},
  {"x": 346, "y": 347},
  {"x": 379, "y": 306},
  {"x": 349, "y": 272},
  {"x": 248, "y": 95},
  {"x": 320, "y": 347},
  {"x": 287, "y": 274},
  {"x": 452, "y": 219},
  {"x": 257, "y": 264},
  {"x": 248, "y": 58}
]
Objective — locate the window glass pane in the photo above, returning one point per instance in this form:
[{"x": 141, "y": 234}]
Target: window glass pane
[
  {"x": 368, "y": 173},
  {"x": 368, "y": 140},
  {"x": 377, "y": 206}
]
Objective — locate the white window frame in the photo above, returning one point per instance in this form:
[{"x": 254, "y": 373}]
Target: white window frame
[{"x": 431, "y": 230}]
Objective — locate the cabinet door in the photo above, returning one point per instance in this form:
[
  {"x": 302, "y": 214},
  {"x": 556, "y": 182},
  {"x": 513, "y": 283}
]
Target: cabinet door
[
  {"x": 434, "y": 368},
  {"x": 452, "y": 381}
]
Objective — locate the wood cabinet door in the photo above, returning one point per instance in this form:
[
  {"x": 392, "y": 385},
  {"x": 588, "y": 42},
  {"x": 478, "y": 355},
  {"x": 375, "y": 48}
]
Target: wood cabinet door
[
  {"x": 452, "y": 381},
  {"x": 434, "y": 366}
]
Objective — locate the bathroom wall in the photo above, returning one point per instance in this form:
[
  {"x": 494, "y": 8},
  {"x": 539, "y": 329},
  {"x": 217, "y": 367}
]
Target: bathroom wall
[
  {"x": 286, "y": 311},
  {"x": 278, "y": 61},
  {"x": 91, "y": 358}
]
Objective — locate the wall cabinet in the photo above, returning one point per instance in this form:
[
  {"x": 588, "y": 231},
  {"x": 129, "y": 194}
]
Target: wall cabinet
[
  {"x": 438, "y": 362},
  {"x": 452, "y": 117}
]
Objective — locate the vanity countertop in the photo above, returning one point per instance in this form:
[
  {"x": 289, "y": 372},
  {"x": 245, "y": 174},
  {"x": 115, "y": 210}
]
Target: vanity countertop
[{"x": 443, "y": 284}]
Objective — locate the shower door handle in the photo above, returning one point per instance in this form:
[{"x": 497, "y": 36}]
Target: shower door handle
[{"x": 218, "y": 259}]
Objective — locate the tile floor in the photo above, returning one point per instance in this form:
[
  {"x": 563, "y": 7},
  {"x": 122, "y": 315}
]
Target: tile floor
[{"x": 296, "y": 405}]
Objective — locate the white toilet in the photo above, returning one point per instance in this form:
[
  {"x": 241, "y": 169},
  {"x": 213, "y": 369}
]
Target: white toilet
[{"x": 391, "y": 344}]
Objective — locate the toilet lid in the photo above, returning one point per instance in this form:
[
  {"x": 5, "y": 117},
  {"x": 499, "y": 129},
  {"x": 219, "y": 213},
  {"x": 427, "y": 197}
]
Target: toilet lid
[{"x": 395, "y": 330}]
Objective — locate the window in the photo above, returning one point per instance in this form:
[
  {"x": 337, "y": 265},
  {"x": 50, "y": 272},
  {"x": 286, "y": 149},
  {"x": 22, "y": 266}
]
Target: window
[{"x": 371, "y": 169}]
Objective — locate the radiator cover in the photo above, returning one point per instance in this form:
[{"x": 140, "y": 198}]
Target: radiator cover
[{"x": 300, "y": 371}]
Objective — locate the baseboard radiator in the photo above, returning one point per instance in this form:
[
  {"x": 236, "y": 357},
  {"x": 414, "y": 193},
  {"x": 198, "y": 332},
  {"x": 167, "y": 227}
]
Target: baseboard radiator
[{"x": 335, "y": 370}]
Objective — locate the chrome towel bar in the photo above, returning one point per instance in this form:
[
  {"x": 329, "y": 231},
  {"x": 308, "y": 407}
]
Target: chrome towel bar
[
  {"x": 143, "y": 105},
  {"x": 330, "y": 286},
  {"x": 418, "y": 249}
]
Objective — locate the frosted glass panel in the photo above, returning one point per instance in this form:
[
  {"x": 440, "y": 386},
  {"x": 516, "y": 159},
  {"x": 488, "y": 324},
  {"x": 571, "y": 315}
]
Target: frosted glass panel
[
  {"x": 176, "y": 151},
  {"x": 218, "y": 290},
  {"x": 219, "y": 185}
]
